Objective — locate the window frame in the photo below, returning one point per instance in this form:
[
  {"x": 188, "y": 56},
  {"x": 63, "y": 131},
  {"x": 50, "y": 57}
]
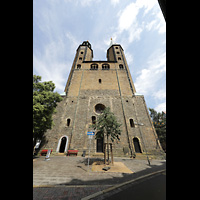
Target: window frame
[
  {"x": 94, "y": 67},
  {"x": 105, "y": 66}
]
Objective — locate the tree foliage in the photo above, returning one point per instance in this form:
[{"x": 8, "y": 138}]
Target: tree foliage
[
  {"x": 107, "y": 125},
  {"x": 159, "y": 122},
  {"x": 44, "y": 104}
]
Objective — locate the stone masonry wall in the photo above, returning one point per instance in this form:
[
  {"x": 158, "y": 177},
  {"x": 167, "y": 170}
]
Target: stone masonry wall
[{"x": 113, "y": 88}]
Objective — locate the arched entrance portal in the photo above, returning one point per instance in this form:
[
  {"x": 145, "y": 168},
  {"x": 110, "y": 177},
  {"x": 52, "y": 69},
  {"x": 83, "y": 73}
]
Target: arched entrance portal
[
  {"x": 137, "y": 145},
  {"x": 62, "y": 144}
]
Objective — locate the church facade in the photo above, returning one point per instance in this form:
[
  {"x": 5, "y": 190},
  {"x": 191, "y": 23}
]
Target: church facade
[{"x": 92, "y": 86}]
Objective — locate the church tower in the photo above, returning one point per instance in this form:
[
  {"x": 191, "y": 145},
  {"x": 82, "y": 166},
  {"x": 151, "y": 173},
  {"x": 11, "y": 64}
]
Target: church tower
[{"x": 92, "y": 86}]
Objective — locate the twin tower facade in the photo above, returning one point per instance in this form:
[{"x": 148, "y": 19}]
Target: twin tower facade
[{"x": 92, "y": 86}]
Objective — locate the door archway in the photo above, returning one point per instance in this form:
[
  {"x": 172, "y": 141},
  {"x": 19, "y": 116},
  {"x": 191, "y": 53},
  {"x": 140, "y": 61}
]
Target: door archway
[
  {"x": 62, "y": 144},
  {"x": 137, "y": 145},
  {"x": 99, "y": 142}
]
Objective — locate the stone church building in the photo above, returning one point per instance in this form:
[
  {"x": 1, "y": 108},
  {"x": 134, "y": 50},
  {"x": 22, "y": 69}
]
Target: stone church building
[{"x": 92, "y": 86}]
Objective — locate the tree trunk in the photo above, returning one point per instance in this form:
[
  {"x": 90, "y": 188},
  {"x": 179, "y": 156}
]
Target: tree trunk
[
  {"x": 112, "y": 162},
  {"x": 108, "y": 150},
  {"x": 104, "y": 151}
]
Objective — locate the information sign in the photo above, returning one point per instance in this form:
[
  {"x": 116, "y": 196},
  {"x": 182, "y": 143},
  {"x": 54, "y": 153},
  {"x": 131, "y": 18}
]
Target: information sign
[{"x": 90, "y": 133}]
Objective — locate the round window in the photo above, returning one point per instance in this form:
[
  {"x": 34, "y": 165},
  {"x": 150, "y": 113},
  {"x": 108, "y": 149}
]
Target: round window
[{"x": 99, "y": 108}]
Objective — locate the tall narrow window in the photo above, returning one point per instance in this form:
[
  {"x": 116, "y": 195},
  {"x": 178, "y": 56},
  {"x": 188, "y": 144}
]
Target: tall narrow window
[
  {"x": 68, "y": 122},
  {"x": 121, "y": 66},
  {"x": 131, "y": 123},
  {"x": 93, "y": 120},
  {"x": 99, "y": 80},
  {"x": 78, "y": 66}
]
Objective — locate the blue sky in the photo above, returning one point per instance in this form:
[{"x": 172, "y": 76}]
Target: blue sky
[{"x": 60, "y": 26}]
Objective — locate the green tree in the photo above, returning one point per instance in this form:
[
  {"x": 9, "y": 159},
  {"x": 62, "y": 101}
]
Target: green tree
[
  {"x": 107, "y": 126},
  {"x": 44, "y": 104},
  {"x": 159, "y": 122}
]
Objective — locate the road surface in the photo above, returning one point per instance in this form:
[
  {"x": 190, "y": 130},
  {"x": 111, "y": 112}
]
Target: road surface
[{"x": 153, "y": 188}]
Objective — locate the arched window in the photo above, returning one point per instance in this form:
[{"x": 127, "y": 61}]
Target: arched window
[
  {"x": 99, "y": 80},
  {"x": 105, "y": 67},
  {"x": 131, "y": 123},
  {"x": 93, "y": 120},
  {"x": 78, "y": 66},
  {"x": 68, "y": 122},
  {"x": 119, "y": 58},
  {"x": 121, "y": 66},
  {"x": 94, "y": 67}
]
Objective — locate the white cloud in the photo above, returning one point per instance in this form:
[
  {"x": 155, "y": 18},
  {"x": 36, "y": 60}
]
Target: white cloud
[
  {"x": 129, "y": 27},
  {"x": 148, "y": 80},
  {"x": 83, "y": 3},
  {"x": 74, "y": 43},
  {"x": 147, "y": 4},
  {"x": 128, "y": 17},
  {"x": 129, "y": 58},
  {"x": 51, "y": 71},
  {"x": 160, "y": 94},
  {"x": 114, "y": 2},
  {"x": 144, "y": 82},
  {"x": 161, "y": 107},
  {"x": 151, "y": 81},
  {"x": 134, "y": 33},
  {"x": 150, "y": 25},
  {"x": 87, "y": 2},
  {"x": 161, "y": 23},
  {"x": 50, "y": 64},
  {"x": 157, "y": 24}
]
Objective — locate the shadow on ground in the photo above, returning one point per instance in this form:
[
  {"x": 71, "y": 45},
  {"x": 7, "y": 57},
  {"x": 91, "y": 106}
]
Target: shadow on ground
[
  {"x": 91, "y": 161},
  {"x": 112, "y": 180}
]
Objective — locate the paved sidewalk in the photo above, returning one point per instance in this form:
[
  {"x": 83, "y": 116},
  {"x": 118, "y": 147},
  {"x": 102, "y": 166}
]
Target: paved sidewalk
[
  {"x": 68, "y": 177},
  {"x": 68, "y": 193}
]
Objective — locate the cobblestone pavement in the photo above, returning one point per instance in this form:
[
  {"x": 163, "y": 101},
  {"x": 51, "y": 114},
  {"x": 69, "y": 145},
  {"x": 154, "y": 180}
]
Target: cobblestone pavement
[{"x": 64, "y": 177}]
